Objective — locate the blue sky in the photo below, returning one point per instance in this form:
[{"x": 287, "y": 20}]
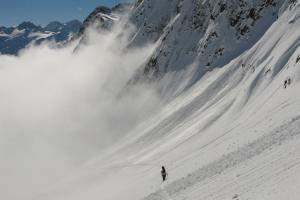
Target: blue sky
[{"x": 12, "y": 12}]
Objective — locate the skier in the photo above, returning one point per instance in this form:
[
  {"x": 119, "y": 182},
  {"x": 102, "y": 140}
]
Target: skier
[
  {"x": 285, "y": 83},
  {"x": 289, "y": 81},
  {"x": 164, "y": 173}
]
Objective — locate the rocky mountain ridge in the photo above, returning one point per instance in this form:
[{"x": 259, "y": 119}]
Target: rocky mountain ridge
[
  {"x": 209, "y": 32},
  {"x": 104, "y": 17},
  {"x": 13, "y": 39}
]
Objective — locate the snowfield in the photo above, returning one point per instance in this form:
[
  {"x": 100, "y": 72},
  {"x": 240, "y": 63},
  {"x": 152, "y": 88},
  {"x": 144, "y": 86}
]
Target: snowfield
[{"x": 234, "y": 133}]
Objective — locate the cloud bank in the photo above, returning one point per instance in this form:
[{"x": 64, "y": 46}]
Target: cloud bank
[{"x": 59, "y": 108}]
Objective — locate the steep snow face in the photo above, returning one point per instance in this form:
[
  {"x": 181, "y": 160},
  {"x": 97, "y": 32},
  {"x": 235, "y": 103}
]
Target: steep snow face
[
  {"x": 13, "y": 39},
  {"x": 234, "y": 134},
  {"x": 207, "y": 31}
]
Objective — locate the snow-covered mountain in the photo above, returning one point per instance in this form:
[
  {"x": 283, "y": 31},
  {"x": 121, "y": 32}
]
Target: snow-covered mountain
[
  {"x": 104, "y": 17},
  {"x": 226, "y": 124},
  {"x": 209, "y": 32},
  {"x": 229, "y": 128},
  {"x": 13, "y": 39}
]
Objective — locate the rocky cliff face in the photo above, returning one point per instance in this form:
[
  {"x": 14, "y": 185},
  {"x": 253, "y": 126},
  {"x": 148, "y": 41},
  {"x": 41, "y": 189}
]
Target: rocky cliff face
[
  {"x": 104, "y": 17},
  {"x": 209, "y": 32}
]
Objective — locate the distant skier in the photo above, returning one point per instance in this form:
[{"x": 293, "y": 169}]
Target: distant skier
[
  {"x": 289, "y": 81},
  {"x": 285, "y": 83},
  {"x": 164, "y": 173}
]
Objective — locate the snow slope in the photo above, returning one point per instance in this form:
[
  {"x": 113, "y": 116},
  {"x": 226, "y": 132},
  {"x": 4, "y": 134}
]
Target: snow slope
[
  {"x": 233, "y": 134},
  {"x": 230, "y": 130}
]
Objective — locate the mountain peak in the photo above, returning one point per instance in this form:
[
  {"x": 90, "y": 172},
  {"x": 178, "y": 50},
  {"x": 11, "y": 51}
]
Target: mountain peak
[
  {"x": 28, "y": 25},
  {"x": 54, "y": 26},
  {"x": 103, "y": 9},
  {"x": 13, "y": 39}
]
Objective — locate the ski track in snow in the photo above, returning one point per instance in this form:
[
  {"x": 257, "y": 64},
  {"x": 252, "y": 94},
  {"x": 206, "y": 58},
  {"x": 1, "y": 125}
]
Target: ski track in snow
[
  {"x": 257, "y": 178},
  {"x": 200, "y": 180}
]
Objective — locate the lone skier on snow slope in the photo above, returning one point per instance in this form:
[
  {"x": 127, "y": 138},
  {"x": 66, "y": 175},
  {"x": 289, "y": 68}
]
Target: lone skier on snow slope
[{"x": 164, "y": 173}]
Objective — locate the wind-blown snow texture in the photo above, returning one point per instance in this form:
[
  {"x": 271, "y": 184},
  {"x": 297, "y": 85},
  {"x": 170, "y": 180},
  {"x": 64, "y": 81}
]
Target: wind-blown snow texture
[{"x": 228, "y": 74}]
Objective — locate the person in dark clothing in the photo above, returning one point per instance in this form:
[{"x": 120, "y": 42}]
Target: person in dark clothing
[
  {"x": 164, "y": 173},
  {"x": 289, "y": 81},
  {"x": 285, "y": 83}
]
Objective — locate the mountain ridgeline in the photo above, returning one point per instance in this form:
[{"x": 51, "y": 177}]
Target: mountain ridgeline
[
  {"x": 13, "y": 39},
  {"x": 104, "y": 17},
  {"x": 211, "y": 33}
]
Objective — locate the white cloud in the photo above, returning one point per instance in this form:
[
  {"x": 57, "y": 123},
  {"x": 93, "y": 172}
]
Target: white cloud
[{"x": 58, "y": 108}]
